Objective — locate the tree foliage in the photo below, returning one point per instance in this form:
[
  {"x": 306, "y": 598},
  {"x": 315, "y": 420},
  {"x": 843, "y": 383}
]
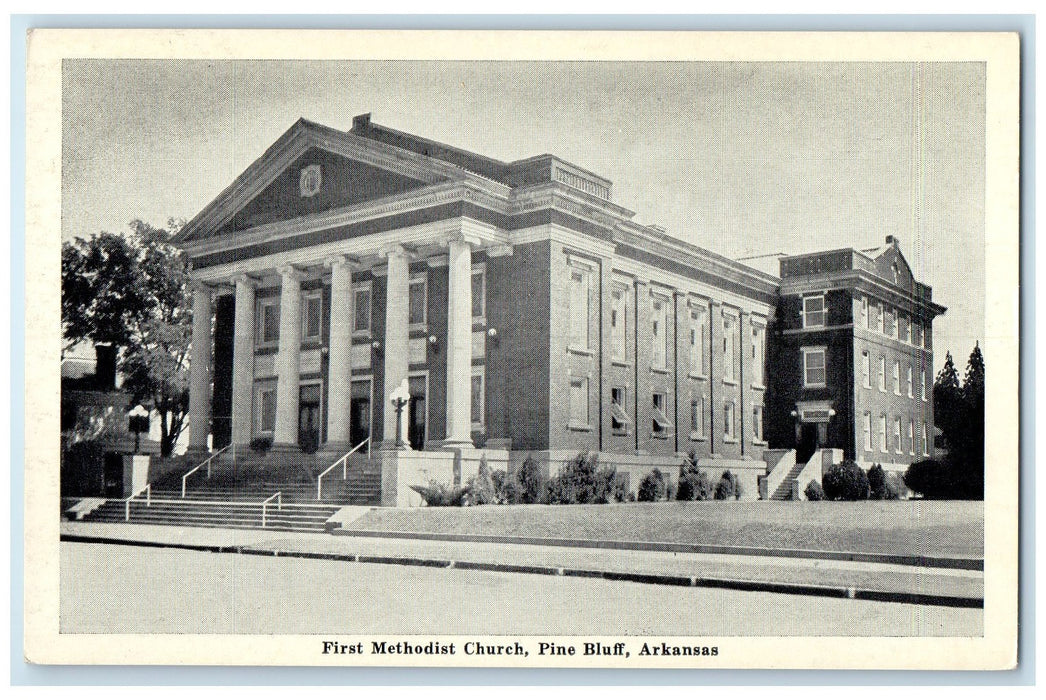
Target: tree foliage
[
  {"x": 131, "y": 291},
  {"x": 959, "y": 413}
]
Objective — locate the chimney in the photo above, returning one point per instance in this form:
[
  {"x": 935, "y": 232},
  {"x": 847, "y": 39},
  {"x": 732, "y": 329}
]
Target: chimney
[
  {"x": 361, "y": 122},
  {"x": 893, "y": 240}
]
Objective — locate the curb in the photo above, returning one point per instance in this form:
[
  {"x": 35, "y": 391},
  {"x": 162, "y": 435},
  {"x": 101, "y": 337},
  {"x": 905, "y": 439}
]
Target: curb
[
  {"x": 633, "y": 577},
  {"x": 963, "y": 563}
]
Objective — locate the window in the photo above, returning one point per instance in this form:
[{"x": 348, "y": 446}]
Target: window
[
  {"x": 478, "y": 382},
  {"x": 866, "y": 369},
  {"x": 813, "y": 311},
  {"x": 579, "y": 402},
  {"x": 864, "y": 319},
  {"x": 890, "y": 322},
  {"x": 917, "y": 333},
  {"x": 867, "y": 429},
  {"x": 418, "y": 291},
  {"x": 926, "y": 441},
  {"x": 361, "y": 309},
  {"x": 758, "y": 356},
  {"x": 698, "y": 340},
  {"x": 729, "y": 345},
  {"x": 661, "y": 424},
  {"x": 926, "y": 337},
  {"x": 697, "y": 418},
  {"x": 882, "y": 373},
  {"x": 619, "y": 420},
  {"x": 813, "y": 367},
  {"x": 906, "y": 329},
  {"x": 911, "y": 382},
  {"x": 880, "y": 315},
  {"x": 659, "y": 332},
  {"x": 911, "y": 437},
  {"x": 268, "y": 322},
  {"x": 579, "y": 303},
  {"x": 757, "y": 423},
  {"x": 618, "y": 332},
  {"x": 311, "y": 315},
  {"x": 897, "y": 435},
  {"x": 729, "y": 427},
  {"x": 479, "y": 294},
  {"x": 926, "y": 384},
  {"x": 883, "y": 447},
  {"x": 896, "y": 273},
  {"x": 897, "y": 377},
  {"x": 265, "y": 405}
]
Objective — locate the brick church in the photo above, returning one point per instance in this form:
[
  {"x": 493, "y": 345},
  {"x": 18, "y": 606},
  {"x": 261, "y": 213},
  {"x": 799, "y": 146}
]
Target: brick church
[{"x": 524, "y": 312}]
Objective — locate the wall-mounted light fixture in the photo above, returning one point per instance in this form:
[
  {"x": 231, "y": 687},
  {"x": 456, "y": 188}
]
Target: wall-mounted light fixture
[{"x": 376, "y": 346}]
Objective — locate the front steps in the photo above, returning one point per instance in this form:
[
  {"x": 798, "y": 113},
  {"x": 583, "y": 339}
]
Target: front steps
[
  {"x": 784, "y": 490},
  {"x": 293, "y": 517}
]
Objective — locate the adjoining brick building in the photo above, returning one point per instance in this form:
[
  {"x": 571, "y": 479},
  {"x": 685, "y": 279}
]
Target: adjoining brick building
[{"x": 528, "y": 314}]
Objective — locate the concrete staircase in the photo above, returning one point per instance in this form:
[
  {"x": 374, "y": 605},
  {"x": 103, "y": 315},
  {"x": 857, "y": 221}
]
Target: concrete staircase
[{"x": 783, "y": 492}]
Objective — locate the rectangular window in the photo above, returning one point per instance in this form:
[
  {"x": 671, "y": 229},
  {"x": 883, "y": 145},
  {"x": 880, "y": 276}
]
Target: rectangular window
[
  {"x": 880, "y": 316},
  {"x": 698, "y": 340},
  {"x": 911, "y": 437},
  {"x": 361, "y": 310},
  {"x": 866, "y": 369},
  {"x": 813, "y": 311},
  {"x": 697, "y": 418},
  {"x": 479, "y": 294},
  {"x": 883, "y": 447},
  {"x": 867, "y": 430},
  {"x": 906, "y": 329},
  {"x": 926, "y": 337},
  {"x": 268, "y": 321},
  {"x": 757, "y": 423},
  {"x": 896, "y": 377},
  {"x": 661, "y": 424},
  {"x": 579, "y": 402},
  {"x": 312, "y": 313},
  {"x": 265, "y": 405},
  {"x": 911, "y": 382},
  {"x": 926, "y": 441},
  {"x": 619, "y": 419},
  {"x": 478, "y": 385},
  {"x": 659, "y": 332},
  {"x": 729, "y": 346},
  {"x": 890, "y": 323},
  {"x": 729, "y": 427},
  {"x": 864, "y": 320},
  {"x": 814, "y": 373},
  {"x": 758, "y": 356},
  {"x": 416, "y": 300},
  {"x": 618, "y": 331},
  {"x": 926, "y": 384},
  {"x": 917, "y": 333},
  {"x": 882, "y": 373},
  {"x": 579, "y": 306},
  {"x": 897, "y": 435}
]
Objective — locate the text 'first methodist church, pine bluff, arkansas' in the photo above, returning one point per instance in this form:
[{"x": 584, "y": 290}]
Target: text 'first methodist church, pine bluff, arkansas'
[{"x": 526, "y": 313}]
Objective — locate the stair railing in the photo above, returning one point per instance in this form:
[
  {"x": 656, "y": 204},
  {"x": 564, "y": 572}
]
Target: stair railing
[
  {"x": 344, "y": 462},
  {"x": 148, "y": 491},
  {"x": 201, "y": 465},
  {"x": 265, "y": 504}
]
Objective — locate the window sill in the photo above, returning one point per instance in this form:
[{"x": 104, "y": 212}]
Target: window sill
[
  {"x": 697, "y": 437},
  {"x": 479, "y": 321},
  {"x": 575, "y": 350},
  {"x": 578, "y": 427},
  {"x": 361, "y": 335},
  {"x": 661, "y": 370},
  {"x": 760, "y": 443},
  {"x": 759, "y": 387},
  {"x": 621, "y": 433},
  {"x": 621, "y": 363},
  {"x": 814, "y": 386},
  {"x": 729, "y": 382},
  {"x": 659, "y": 436},
  {"x": 729, "y": 440},
  {"x": 699, "y": 377},
  {"x": 418, "y": 327}
]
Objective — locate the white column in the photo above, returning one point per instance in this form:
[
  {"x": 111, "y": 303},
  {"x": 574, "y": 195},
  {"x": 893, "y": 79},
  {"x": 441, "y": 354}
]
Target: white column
[
  {"x": 339, "y": 375},
  {"x": 243, "y": 362},
  {"x": 396, "y": 337},
  {"x": 459, "y": 344},
  {"x": 200, "y": 370},
  {"x": 287, "y": 359}
]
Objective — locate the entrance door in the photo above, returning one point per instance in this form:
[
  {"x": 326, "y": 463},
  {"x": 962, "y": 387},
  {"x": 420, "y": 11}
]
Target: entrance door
[
  {"x": 359, "y": 420},
  {"x": 808, "y": 442},
  {"x": 417, "y": 414},
  {"x": 309, "y": 418}
]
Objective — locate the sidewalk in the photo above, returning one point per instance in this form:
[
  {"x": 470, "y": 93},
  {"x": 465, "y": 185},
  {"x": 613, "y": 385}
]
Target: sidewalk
[{"x": 859, "y": 580}]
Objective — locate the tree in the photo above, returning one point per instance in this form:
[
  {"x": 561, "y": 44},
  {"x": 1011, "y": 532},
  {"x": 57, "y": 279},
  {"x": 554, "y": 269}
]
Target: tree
[
  {"x": 948, "y": 404},
  {"x": 131, "y": 291},
  {"x": 970, "y": 457}
]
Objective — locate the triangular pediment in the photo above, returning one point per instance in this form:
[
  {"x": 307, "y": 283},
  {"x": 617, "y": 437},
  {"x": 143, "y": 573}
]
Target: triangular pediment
[
  {"x": 310, "y": 170},
  {"x": 891, "y": 266}
]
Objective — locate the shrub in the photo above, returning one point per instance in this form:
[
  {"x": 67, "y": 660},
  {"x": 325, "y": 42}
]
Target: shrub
[
  {"x": 931, "y": 479},
  {"x": 727, "y": 486},
  {"x": 481, "y": 486},
  {"x": 582, "y": 480},
  {"x": 895, "y": 486},
  {"x": 882, "y": 486},
  {"x": 529, "y": 479},
  {"x": 694, "y": 484},
  {"x": 845, "y": 482},
  {"x": 652, "y": 487},
  {"x": 813, "y": 491},
  {"x": 506, "y": 487},
  {"x": 261, "y": 444},
  {"x": 440, "y": 494}
]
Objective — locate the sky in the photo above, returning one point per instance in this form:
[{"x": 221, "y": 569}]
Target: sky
[{"x": 745, "y": 159}]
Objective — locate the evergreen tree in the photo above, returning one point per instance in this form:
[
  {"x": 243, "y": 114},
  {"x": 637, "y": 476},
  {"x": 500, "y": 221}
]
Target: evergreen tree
[
  {"x": 948, "y": 408},
  {"x": 971, "y": 454}
]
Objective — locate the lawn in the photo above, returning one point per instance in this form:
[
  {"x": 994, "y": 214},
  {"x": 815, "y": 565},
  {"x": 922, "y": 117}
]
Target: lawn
[{"x": 927, "y": 528}]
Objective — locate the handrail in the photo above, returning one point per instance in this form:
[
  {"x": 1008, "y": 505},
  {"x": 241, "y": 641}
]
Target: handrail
[
  {"x": 148, "y": 491},
  {"x": 344, "y": 462},
  {"x": 279, "y": 501},
  {"x": 205, "y": 463}
]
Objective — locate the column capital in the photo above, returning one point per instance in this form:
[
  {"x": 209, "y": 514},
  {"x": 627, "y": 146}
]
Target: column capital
[
  {"x": 291, "y": 272},
  {"x": 342, "y": 260},
  {"x": 245, "y": 279},
  {"x": 462, "y": 237},
  {"x": 199, "y": 287},
  {"x": 394, "y": 250}
]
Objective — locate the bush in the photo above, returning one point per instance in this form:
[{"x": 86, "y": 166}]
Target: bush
[
  {"x": 931, "y": 479},
  {"x": 261, "y": 444},
  {"x": 813, "y": 491},
  {"x": 727, "y": 486},
  {"x": 506, "y": 487},
  {"x": 881, "y": 486},
  {"x": 845, "y": 482},
  {"x": 652, "y": 487},
  {"x": 694, "y": 484},
  {"x": 529, "y": 479},
  {"x": 481, "y": 487},
  {"x": 582, "y": 480},
  {"x": 440, "y": 494}
]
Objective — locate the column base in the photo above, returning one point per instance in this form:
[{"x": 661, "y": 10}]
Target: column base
[
  {"x": 285, "y": 448},
  {"x": 196, "y": 454},
  {"x": 391, "y": 446}
]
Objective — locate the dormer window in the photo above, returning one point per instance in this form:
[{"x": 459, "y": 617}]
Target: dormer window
[
  {"x": 896, "y": 273},
  {"x": 813, "y": 311}
]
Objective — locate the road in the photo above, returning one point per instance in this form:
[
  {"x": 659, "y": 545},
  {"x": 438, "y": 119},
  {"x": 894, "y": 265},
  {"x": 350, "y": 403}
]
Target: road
[{"x": 122, "y": 589}]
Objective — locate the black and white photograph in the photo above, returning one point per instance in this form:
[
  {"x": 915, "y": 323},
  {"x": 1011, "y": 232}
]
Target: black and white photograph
[{"x": 522, "y": 349}]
